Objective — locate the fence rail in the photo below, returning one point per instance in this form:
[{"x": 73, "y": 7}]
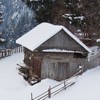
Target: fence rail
[
  {"x": 58, "y": 88},
  {"x": 9, "y": 52}
]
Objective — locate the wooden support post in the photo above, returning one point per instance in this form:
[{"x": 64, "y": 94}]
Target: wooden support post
[
  {"x": 49, "y": 92},
  {"x": 31, "y": 96}
]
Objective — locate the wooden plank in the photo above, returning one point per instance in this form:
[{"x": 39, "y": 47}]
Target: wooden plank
[
  {"x": 37, "y": 66},
  {"x": 62, "y": 41},
  {"x": 62, "y": 70}
]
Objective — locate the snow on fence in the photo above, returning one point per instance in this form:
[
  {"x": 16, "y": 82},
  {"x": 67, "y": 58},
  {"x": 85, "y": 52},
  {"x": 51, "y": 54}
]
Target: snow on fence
[
  {"x": 9, "y": 52},
  {"x": 94, "y": 56},
  {"x": 58, "y": 88}
]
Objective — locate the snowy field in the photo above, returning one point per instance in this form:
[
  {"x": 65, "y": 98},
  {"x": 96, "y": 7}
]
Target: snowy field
[{"x": 13, "y": 87}]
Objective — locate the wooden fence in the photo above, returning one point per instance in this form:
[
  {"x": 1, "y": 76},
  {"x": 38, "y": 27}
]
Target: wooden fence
[
  {"x": 9, "y": 52},
  {"x": 58, "y": 88}
]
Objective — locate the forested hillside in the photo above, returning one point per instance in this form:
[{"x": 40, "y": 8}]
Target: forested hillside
[
  {"x": 15, "y": 20},
  {"x": 76, "y": 15},
  {"x": 81, "y": 17}
]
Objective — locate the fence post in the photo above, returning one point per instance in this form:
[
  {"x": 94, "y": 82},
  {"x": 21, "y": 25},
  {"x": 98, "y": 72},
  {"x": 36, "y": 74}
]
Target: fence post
[
  {"x": 31, "y": 96},
  {"x": 2, "y": 53},
  {"x": 49, "y": 92},
  {"x": 64, "y": 85},
  {"x": 20, "y": 49},
  {"x": 17, "y": 49},
  {"x": 10, "y": 52}
]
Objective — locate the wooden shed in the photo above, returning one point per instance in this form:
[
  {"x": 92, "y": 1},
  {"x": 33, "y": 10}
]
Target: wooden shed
[{"x": 52, "y": 51}]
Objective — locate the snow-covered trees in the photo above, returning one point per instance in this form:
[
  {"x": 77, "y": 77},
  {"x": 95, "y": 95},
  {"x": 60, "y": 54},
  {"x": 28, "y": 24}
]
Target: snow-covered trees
[
  {"x": 42, "y": 8},
  {"x": 1, "y": 20},
  {"x": 83, "y": 15},
  {"x": 43, "y": 11}
]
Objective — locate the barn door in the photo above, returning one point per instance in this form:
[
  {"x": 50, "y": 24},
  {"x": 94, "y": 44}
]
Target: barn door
[
  {"x": 52, "y": 70},
  {"x": 62, "y": 70},
  {"x": 37, "y": 66}
]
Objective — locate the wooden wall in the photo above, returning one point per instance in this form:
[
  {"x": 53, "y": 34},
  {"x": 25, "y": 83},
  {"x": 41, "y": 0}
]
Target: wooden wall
[
  {"x": 60, "y": 66},
  {"x": 62, "y": 41},
  {"x": 56, "y": 66}
]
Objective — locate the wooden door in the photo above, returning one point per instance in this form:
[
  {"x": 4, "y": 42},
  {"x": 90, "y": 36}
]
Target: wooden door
[{"x": 62, "y": 70}]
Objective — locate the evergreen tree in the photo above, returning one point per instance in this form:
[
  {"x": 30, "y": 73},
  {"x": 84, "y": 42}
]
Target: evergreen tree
[
  {"x": 84, "y": 15},
  {"x": 73, "y": 14},
  {"x": 44, "y": 11},
  {"x": 1, "y": 19}
]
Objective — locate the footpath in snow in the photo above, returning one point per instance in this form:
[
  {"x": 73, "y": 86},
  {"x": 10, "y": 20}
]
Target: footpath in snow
[{"x": 13, "y": 87}]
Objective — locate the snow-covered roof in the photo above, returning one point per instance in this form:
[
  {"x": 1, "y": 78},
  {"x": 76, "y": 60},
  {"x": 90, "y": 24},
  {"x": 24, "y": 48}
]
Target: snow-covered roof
[{"x": 42, "y": 32}]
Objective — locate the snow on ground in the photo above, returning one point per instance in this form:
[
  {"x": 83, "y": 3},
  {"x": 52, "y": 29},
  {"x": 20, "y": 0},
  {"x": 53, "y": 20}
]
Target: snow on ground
[
  {"x": 10, "y": 81},
  {"x": 95, "y": 52},
  {"x": 13, "y": 87},
  {"x": 87, "y": 87}
]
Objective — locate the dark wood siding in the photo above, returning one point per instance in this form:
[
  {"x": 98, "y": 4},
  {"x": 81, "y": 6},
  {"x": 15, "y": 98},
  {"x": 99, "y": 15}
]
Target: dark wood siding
[
  {"x": 61, "y": 41},
  {"x": 62, "y": 70},
  {"x": 28, "y": 57},
  {"x": 60, "y": 66},
  {"x": 37, "y": 66}
]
